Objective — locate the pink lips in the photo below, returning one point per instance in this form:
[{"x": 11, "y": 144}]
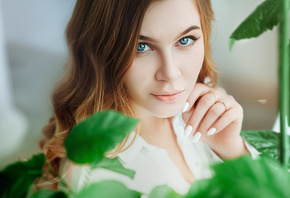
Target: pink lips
[{"x": 167, "y": 97}]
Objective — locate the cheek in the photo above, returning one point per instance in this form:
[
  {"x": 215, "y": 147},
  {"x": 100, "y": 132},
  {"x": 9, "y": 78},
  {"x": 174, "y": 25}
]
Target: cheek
[
  {"x": 141, "y": 70},
  {"x": 193, "y": 63},
  {"x": 132, "y": 80},
  {"x": 136, "y": 79}
]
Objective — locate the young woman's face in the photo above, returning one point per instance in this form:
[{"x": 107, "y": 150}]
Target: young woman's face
[{"x": 168, "y": 58}]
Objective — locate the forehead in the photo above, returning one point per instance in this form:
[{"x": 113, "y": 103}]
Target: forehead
[{"x": 167, "y": 18}]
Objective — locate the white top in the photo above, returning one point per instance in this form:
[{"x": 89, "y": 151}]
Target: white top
[{"x": 153, "y": 166}]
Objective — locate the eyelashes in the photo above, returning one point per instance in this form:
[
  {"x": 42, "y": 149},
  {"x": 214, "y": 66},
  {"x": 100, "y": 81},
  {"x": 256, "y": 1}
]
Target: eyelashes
[
  {"x": 143, "y": 47},
  {"x": 184, "y": 42}
]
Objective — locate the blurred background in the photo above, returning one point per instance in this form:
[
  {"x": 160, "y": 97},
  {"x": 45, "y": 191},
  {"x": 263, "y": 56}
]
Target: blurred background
[{"x": 33, "y": 53}]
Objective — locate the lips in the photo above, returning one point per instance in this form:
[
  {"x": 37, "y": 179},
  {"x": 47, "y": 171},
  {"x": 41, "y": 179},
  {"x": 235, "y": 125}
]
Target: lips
[{"x": 167, "y": 96}]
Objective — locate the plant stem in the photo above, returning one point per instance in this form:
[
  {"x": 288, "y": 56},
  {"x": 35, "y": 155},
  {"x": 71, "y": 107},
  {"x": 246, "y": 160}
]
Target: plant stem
[{"x": 284, "y": 84}]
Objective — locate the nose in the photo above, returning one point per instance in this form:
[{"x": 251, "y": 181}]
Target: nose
[{"x": 168, "y": 69}]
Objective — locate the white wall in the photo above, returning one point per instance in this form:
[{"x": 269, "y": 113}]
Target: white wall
[
  {"x": 37, "y": 23},
  {"x": 35, "y": 45},
  {"x": 249, "y": 71},
  {"x": 13, "y": 123},
  {"x": 252, "y": 58},
  {"x": 5, "y": 85}
]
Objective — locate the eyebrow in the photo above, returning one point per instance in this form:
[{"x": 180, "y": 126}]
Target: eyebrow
[{"x": 193, "y": 27}]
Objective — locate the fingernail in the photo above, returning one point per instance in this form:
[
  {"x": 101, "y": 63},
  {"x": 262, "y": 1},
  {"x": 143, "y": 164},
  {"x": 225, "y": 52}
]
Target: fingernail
[
  {"x": 185, "y": 107},
  {"x": 188, "y": 130},
  {"x": 211, "y": 131},
  {"x": 196, "y": 137}
]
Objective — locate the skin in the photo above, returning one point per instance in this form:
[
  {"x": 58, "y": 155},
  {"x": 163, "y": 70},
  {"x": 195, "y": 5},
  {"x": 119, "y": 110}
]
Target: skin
[{"x": 168, "y": 63}]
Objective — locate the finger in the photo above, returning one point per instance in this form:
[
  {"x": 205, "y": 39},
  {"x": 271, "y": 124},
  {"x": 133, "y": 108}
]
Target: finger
[
  {"x": 214, "y": 113},
  {"x": 232, "y": 115},
  {"x": 228, "y": 102},
  {"x": 203, "y": 105},
  {"x": 202, "y": 108},
  {"x": 200, "y": 90}
]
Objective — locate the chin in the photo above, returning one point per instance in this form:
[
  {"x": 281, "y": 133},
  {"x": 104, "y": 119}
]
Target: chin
[
  {"x": 159, "y": 110},
  {"x": 166, "y": 112}
]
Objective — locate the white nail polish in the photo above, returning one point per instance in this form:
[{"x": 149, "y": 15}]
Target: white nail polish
[
  {"x": 188, "y": 130},
  {"x": 196, "y": 137},
  {"x": 211, "y": 131},
  {"x": 185, "y": 107}
]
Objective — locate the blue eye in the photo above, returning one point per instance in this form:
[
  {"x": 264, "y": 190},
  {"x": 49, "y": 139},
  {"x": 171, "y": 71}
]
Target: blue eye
[
  {"x": 142, "y": 47},
  {"x": 185, "y": 41}
]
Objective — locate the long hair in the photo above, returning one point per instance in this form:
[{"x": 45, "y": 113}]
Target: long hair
[{"x": 102, "y": 36}]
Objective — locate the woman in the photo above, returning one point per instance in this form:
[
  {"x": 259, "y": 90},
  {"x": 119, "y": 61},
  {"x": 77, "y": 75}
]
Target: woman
[{"x": 148, "y": 59}]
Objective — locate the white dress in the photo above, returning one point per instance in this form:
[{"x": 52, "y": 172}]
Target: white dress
[{"x": 153, "y": 166}]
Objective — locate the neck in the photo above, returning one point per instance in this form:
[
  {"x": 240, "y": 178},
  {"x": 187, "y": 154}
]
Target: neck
[{"x": 155, "y": 130}]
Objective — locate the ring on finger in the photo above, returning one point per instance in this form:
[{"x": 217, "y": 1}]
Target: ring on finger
[{"x": 223, "y": 104}]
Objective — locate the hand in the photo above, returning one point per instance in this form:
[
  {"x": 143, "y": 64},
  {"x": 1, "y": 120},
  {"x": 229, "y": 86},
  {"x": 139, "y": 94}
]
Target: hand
[{"x": 215, "y": 118}]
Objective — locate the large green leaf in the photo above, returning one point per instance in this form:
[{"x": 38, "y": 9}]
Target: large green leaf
[
  {"x": 45, "y": 193},
  {"x": 114, "y": 165},
  {"x": 265, "y": 141},
  {"x": 244, "y": 177},
  {"x": 16, "y": 179},
  {"x": 248, "y": 178},
  {"x": 263, "y": 18},
  {"x": 207, "y": 188},
  {"x": 108, "y": 189},
  {"x": 90, "y": 139},
  {"x": 164, "y": 191}
]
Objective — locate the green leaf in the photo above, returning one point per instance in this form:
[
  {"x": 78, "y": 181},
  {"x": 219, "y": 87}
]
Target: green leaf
[
  {"x": 244, "y": 177},
  {"x": 231, "y": 43},
  {"x": 45, "y": 193},
  {"x": 289, "y": 66},
  {"x": 114, "y": 165},
  {"x": 108, "y": 189},
  {"x": 265, "y": 141},
  {"x": 164, "y": 191},
  {"x": 207, "y": 188},
  {"x": 263, "y": 18},
  {"x": 289, "y": 51},
  {"x": 100, "y": 133},
  {"x": 16, "y": 179}
]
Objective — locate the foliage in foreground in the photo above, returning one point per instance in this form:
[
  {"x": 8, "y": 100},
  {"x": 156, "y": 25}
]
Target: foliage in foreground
[
  {"x": 238, "y": 178},
  {"x": 241, "y": 177},
  {"x": 16, "y": 178}
]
